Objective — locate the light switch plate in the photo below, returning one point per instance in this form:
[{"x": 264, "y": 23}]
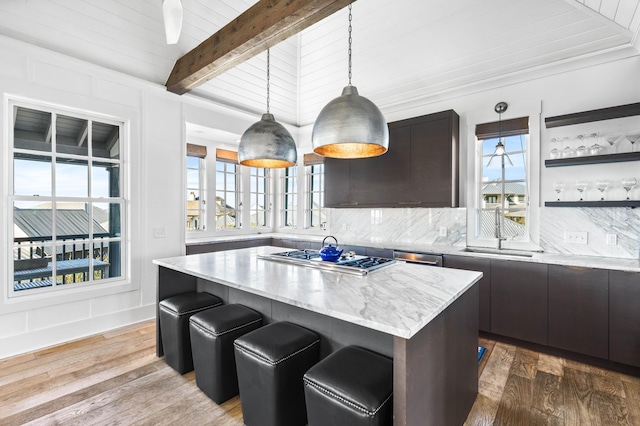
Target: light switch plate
[{"x": 160, "y": 232}]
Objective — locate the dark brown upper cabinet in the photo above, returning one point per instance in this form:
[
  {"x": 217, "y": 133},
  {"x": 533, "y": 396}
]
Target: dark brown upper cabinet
[{"x": 420, "y": 169}]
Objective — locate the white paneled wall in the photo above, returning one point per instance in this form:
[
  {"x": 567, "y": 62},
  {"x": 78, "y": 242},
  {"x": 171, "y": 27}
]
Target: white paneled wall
[{"x": 155, "y": 184}]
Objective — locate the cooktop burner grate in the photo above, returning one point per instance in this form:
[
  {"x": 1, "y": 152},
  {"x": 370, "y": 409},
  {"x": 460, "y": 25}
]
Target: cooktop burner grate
[{"x": 355, "y": 264}]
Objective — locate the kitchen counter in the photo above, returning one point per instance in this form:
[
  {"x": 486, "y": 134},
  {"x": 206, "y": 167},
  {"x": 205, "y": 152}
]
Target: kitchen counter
[
  {"x": 612, "y": 263},
  {"x": 399, "y": 299},
  {"x": 425, "y": 318}
]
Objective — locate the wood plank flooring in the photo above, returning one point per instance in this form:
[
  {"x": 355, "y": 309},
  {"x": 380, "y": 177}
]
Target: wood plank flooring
[{"x": 114, "y": 378}]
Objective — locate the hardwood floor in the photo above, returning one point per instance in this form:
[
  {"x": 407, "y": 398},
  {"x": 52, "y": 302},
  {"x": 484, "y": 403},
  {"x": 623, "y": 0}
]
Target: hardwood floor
[{"x": 115, "y": 378}]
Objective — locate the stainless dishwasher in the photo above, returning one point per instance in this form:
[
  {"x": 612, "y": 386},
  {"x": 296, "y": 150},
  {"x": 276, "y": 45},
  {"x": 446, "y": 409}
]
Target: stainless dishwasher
[{"x": 420, "y": 258}]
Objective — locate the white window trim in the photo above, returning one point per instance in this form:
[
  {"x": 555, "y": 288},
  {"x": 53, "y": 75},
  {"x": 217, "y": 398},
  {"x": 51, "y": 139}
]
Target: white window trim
[
  {"x": 12, "y": 302},
  {"x": 308, "y": 200},
  {"x": 474, "y": 175},
  {"x": 202, "y": 205}
]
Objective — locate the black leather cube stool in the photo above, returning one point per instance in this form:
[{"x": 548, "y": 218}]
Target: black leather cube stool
[
  {"x": 350, "y": 387},
  {"x": 271, "y": 362},
  {"x": 212, "y": 334},
  {"x": 175, "y": 312}
]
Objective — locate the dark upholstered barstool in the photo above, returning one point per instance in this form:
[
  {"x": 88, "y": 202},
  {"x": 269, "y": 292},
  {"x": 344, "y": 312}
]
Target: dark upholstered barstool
[
  {"x": 175, "y": 312},
  {"x": 212, "y": 334},
  {"x": 350, "y": 387},
  {"x": 271, "y": 362}
]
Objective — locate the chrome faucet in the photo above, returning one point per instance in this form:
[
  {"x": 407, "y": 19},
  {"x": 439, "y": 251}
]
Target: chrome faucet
[{"x": 499, "y": 229}]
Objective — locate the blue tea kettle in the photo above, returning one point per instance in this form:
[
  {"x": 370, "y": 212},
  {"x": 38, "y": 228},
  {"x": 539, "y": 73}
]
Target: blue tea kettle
[{"x": 329, "y": 252}]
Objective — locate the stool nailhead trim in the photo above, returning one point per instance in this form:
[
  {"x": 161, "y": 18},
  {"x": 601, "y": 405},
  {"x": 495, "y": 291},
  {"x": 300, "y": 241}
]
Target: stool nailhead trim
[
  {"x": 268, "y": 361},
  {"x": 220, "y": 333},
  {"x": 346, "y": 401},
  {"x": 187, "y": 312}
]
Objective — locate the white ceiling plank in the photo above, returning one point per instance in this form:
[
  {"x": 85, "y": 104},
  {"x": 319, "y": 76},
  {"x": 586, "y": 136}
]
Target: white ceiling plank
[{"x": 626, "y": 11}]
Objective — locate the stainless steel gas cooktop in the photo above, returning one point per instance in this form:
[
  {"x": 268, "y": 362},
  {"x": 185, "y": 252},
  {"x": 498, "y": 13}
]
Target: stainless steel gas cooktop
[{"x": 350, "y": 263}]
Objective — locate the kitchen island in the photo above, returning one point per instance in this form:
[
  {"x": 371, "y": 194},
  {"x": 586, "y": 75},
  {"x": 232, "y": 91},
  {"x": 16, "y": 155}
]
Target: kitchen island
[{"x": 425, "y": 318}]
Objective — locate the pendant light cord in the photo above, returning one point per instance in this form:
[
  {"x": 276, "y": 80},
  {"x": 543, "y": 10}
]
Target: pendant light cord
[
  {"x": 268, "y": 72},
  {"x": 350, "y": 40}
]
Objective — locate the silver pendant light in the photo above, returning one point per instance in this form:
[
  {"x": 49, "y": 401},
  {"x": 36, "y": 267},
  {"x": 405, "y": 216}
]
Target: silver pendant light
[
  {"x": 350, "y": 126},
  {"x": 267, "y": 143},
  {"x": 499, "y": 152}
]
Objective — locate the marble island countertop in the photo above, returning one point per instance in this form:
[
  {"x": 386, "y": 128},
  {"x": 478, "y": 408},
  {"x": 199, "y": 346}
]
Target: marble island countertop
[
  {"x": 601, "y": 262},
  {"x": 399, "y": 299}
]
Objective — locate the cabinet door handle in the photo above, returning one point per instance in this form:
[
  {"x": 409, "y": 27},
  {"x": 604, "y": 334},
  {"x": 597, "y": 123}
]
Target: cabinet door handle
[{"x": 352, "y": 203}]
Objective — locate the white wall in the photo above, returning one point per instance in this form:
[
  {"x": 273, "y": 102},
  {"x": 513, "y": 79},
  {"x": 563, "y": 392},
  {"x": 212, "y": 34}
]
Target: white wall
[{"x": 155, "y": 162}]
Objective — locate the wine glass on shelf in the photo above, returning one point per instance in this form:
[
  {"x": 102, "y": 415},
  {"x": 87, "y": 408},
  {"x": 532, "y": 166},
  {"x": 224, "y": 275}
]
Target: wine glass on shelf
[
  {"x": 581, "y": 150},
  {"x": 633, "y": 139},
  {"x": 628, "y": 184},
  {"x": 567, "y": 151},
  {"x": 596, "y": 148},
  {"x": 555, "y": 152},
  {"x": 581, "y": 186},
  {"x": 612, "y": 140},
  {"x": 602, "y": 185},
  {"x": 558, "y": 186}
]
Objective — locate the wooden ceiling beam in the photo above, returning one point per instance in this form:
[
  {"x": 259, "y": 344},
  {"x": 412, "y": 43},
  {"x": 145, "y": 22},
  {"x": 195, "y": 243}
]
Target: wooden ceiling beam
[{"x": 260, "y": 27}]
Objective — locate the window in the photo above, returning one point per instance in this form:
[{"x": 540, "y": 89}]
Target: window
[
  {"x": 195, "y": 186},
  {"x": 67, "y": 199},
  {"x": 228, "y": 195},
  {"x": 290, "y": 196},
  {"x": 260, "y": 202},
  {"x": 315, "y": 212},
  {"x": 504, "y": 187}
]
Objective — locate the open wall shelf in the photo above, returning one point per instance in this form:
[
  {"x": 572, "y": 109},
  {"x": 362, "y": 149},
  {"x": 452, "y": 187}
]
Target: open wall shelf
[
  {"x": 593, "y": 159},
  {"x": 621, "y": 203},
  {"x": 593, "y": 115}
]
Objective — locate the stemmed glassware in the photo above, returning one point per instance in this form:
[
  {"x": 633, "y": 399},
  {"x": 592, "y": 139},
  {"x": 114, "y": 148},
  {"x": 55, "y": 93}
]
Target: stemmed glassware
[
  {"x": 567, "y": 151},
  {"x": 602, "y": 185},
  {"x": 581, "y": 186},
  {"x": 612, "y": 139},
  {"x": 628, "y": 184},
  {"x": 633, "y": 139},
  {"x": 596, "y": 148},
  {"x": 581, "y": 150},
  {"x": 555, "y": 152},
  {"x": 558, "y": 187}
]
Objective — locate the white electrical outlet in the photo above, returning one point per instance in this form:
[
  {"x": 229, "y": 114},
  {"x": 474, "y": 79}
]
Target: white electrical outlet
[
  {"x": 443, "y": 231},
  {"x": 612, "y": 239},
  {"x": 576, "y": 237}
]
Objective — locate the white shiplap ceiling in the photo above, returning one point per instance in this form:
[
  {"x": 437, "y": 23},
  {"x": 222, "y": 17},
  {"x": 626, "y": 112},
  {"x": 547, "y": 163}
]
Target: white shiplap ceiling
[{"x": 402, "y": 50}]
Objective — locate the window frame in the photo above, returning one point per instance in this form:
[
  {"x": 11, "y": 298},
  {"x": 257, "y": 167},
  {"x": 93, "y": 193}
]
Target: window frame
[
  {"x": 91, "y": 241},
  {"x": 254, "y": 196},
  {"x": 237, "y": 191},
  {"x": 473, "y": 179},
  {"x": 289, "y": 190},
  {"x": 202, "y": 190},
  {"x": 310, "y": 172}
]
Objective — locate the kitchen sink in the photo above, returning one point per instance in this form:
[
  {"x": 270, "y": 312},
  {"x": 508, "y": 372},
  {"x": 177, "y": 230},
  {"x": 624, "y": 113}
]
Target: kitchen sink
[{"x": 502, "y": 252}]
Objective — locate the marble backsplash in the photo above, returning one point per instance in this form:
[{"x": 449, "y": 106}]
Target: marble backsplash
[
  {"x": 623, "y": 222},
  {"x": 400, "y": 225},
  {"x": 423, "y": 226}
]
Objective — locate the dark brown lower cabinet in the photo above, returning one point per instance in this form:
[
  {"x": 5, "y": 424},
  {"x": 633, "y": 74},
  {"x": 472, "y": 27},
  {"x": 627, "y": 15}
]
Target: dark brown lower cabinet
[
  {"x": 579, "y": 310},
  {"x": 481, "y": 265},
  {"x": 519, "y": 300},
  {"x": 624, "y": 317}
]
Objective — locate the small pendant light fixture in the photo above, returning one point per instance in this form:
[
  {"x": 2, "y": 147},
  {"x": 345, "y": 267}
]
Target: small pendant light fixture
[
  {"x": 267, "y": 143},
  {"x": 499, "y": 152},
  {"x": 172, "y": 14},
  {"x": 350, "y": 126}
]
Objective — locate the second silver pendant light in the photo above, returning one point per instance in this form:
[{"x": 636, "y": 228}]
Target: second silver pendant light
[
  {"x": 350, "y": 126},
  {"x": 267, "y": 143}
]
